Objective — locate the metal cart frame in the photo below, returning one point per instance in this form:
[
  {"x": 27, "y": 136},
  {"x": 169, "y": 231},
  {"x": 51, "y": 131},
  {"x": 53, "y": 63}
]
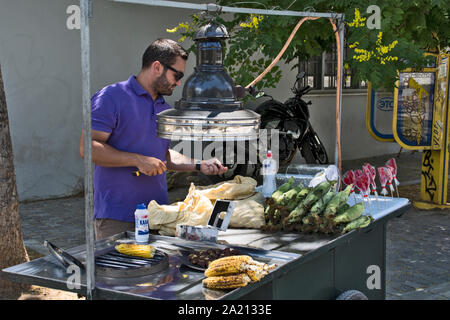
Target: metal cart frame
[
  {"x": 311, "y": 266},
  {"x": 86, "y": 13}
]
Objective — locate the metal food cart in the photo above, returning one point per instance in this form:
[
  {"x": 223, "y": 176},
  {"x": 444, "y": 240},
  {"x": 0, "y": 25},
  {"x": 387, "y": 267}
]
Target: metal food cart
[{"x": 309, "y": 266}]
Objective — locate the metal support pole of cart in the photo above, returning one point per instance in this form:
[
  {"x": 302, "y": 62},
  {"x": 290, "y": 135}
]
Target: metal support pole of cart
[
  {"x": 86, "y": 13},
  {"x": 85, "y": 8},
  {"x": 340, "y": 67}
]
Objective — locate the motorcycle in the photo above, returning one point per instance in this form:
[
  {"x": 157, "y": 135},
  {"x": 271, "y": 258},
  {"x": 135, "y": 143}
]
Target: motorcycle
[{"x": 291, "y": 119}]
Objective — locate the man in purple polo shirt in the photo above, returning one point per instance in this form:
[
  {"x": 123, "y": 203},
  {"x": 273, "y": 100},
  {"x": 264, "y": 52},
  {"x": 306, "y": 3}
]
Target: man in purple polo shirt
[{"x": 124, "y": 138}]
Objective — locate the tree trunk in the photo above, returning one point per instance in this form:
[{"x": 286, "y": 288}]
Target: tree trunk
[{"x": 12, "y": 249}]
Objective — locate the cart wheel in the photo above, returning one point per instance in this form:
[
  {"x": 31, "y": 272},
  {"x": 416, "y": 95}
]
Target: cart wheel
[{"x": 352, "y": 295}]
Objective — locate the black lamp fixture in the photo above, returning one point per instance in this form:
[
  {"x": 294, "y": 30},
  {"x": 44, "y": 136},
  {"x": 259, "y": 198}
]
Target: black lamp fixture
[{"x": 210, "y": 109}]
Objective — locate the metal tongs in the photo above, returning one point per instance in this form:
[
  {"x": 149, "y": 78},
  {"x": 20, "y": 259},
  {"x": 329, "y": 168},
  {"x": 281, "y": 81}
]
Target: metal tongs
[{"x": 63, "y": 257}]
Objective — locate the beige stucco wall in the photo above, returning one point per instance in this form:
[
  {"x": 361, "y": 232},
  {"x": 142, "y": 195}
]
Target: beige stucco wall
[{"x": 40, "y": 59}]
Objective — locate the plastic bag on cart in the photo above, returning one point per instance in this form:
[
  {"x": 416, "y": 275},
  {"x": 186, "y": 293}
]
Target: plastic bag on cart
[
  {"x": 238, "y": 188},
  {"x": 331, "y": 173},
  {"x": 249, "y": 213}
]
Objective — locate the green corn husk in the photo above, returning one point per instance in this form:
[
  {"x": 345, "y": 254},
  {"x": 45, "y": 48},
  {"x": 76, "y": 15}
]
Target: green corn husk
[
  {"x": 298, "y": 198},
  {"x": 338, "y": 200},
  {"x": 296, "y": 215},
  {"x": 282, "y": 189},
  {"x": 276, "y": 216},
  {"x": 359, "y": 223},
  {"x": 323, "y": 228},
  {"x": 351, "y": 214},
  {"x": 318, "y": 192},
  {"x": 320, "y": 205},
  {"x": 268, "y": 212},
  {"x": 289, "y": 195},
  {"x": 303, "y": 207},
  {"x": 343, "y": 208},
  {"x": 317, "y": 208}
]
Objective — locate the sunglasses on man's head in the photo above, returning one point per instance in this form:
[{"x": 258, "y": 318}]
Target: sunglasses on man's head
[{"x": 178, "y": 74}]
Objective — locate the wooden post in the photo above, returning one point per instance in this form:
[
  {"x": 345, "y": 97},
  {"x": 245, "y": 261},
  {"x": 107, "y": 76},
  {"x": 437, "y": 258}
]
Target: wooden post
[{"x": 12, "y": 248}]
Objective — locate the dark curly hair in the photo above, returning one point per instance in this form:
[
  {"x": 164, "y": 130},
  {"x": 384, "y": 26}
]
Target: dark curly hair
[{"x": 164, "y": 50}]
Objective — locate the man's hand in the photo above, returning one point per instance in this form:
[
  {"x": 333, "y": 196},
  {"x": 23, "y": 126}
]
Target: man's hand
[
  {"x": 212, "y": 167},
  {"x": 151, "y": 166}
]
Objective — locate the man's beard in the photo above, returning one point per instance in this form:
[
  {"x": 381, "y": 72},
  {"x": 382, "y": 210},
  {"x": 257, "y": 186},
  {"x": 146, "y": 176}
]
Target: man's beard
[{"x": 162, "y": 86}]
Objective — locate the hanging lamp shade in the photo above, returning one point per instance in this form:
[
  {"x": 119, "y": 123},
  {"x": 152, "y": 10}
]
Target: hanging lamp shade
[{"x": 209, "y": 109}]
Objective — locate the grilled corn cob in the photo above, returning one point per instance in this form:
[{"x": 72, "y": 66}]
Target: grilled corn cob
[
  {"x": 137, "y": 250},
  {"x": 227, "y": 265},
  {"x": 227, "y": 282},
  {"x": 257, "y": 270}
]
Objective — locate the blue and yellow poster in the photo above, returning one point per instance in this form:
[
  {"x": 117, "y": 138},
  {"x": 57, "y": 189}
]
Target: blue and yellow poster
[{"x": 413, "y": 109}]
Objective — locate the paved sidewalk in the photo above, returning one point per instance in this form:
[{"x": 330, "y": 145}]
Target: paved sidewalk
[{"x": 418, "y": 242}]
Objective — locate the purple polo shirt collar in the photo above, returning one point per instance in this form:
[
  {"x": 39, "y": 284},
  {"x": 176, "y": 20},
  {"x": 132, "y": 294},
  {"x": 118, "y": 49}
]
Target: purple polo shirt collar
[{"x": 139, "y": 90}]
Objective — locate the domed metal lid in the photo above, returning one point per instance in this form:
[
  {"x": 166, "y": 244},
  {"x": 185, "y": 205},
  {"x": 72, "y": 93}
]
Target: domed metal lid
[
  {"x": 212, "y": 31},
  {"x": 209, "y": 109}
]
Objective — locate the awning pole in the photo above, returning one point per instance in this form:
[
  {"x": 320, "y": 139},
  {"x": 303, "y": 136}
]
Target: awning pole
[
  {"x": 214, "y": 7},
  {"x": 85, "y": 7},
  {"x": 341, "y": 26}
]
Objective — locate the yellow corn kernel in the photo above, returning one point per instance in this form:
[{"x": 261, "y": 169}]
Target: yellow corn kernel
[
  {"x": 137, "y": 250},
  {"x": 227, "y": 282}
]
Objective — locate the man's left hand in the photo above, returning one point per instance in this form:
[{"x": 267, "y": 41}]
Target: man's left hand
[{"x": 212, "y": 167}]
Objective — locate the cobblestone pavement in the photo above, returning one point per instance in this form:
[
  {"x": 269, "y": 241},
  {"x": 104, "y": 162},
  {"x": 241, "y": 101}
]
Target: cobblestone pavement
[
  {"x": 418, "y": 255},
  {"x": 418, "y": 242}
]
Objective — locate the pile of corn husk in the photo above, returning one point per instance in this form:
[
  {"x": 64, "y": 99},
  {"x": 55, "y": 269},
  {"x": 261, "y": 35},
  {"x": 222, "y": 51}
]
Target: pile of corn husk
[{"x": 319, "y": 209}]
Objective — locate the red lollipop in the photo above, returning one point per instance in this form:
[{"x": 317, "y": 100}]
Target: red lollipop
[
  {"x": 358, "y": 173},
  {"x": 349, "y": 178},
  {"x": 370, "y": 171},
  {"x": 390, "y": 176},
  {"x": 382, "y": 175},
  {"x": 362, "y": 183},
  {"x": 393, "y": 165}
]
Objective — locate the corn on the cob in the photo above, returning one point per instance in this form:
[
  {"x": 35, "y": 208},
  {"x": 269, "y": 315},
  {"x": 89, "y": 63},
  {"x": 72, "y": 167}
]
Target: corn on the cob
[
  {"x": 137, "y": 250},
  {"x": 298, "y": 198},
  {"x": 256, "y": 273},
  {"x": 296, "y": 215},
  {"x": 227, "y": 265},
  {"x": 351, "y": 214},
  {"x": 317, "y": 209},
  {"x": 359, "y": 223},
  {"x": 337, "y": 201},
  {"x": 227, "y": 282},
  {"x": 221, "y": 268},
  {"x": 283, "y": 188},
  {"x": 289, "y": 195},
  {"x": 317, "y": 193},
  {"x": 343, "y": 208}
]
